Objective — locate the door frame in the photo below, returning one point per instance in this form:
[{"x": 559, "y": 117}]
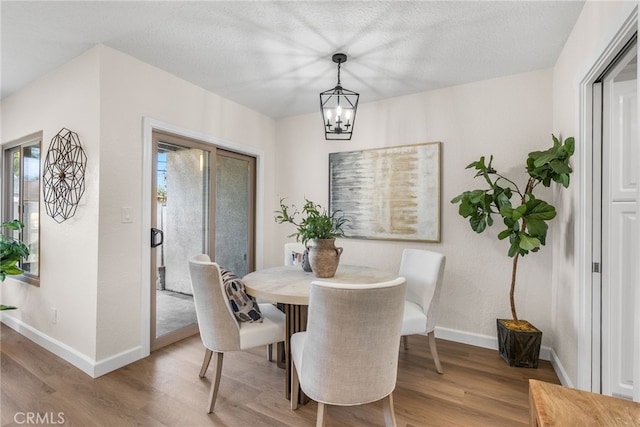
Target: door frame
[
  {"x": 149, "y": 125},
  {"x": 588, "y": 365}
]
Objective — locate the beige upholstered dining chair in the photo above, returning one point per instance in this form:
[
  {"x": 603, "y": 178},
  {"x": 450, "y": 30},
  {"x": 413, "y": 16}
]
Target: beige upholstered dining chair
[
  {"x": 424, "y": 271},
  {"x": 220, "y": 331},
  {"x": 348, "y": 355},
  {"x": 291, "y": 248}
]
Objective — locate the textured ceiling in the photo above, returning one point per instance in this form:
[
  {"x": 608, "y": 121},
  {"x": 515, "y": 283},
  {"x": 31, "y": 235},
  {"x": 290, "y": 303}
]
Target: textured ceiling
[{"x": 275, "y": 56}]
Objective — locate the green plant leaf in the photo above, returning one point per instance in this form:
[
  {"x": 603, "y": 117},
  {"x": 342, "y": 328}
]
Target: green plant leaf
[
  {"x": 528, "y": 243},
  {"x": 466, "y": 209},
  {"x": 477, "y": 164},
  {"x": 458, "y": 198},
  {"x": 478, "y": 223},
  {"x": 477, "y": 196},
  {"x": 504, "y": 234},
  {"x": 538, "y": 209},
  {"x": 564, "y": 180},
  {"x": 514, "y": 248},
  {"x": 559, "y": 167},
  {"x": 13, "y": 270},
  {"x": 511, "y": 223},
  {"x": 540, "y": 158},
  {"x": 507, "y": 211},
  {"x": 570, "y": 143},
  {"x": 502, "y": 197},
  {"x": 537, "y": 228},
  {"x": 13, "y": 225},
  {"x": 520, "y": 212}
]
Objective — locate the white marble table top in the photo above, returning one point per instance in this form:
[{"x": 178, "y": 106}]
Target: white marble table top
[{"x": 290, "y": 284}]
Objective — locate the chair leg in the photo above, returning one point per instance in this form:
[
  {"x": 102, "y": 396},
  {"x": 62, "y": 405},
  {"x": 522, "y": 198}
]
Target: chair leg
[
  {"x": 434, "y": 351},
  {"x": 387, "y": 410},
  {"x": 405, "y": 342},
  {"x": 205, "y": 362},
  {"x": 215, "y": 382},
  {"x": 269, "y": 352},
  {"x": 322, "y": 410},
  {"x": 295, "y": 387}
]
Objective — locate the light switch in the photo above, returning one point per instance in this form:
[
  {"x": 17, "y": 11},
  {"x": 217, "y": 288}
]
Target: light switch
[{"x": 127, "y": 215}]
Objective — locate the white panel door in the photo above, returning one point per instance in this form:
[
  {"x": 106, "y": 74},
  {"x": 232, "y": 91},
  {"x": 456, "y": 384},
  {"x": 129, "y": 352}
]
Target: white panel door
[
  {"x": 619, "y": 227},
  {"x": 618, "y": 310},
  {"x": 624, "y": 141}
]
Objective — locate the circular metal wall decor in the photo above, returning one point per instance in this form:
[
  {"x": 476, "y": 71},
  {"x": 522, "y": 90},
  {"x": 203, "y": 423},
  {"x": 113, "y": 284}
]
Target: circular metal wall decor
[{"x": 63, "y": 177}]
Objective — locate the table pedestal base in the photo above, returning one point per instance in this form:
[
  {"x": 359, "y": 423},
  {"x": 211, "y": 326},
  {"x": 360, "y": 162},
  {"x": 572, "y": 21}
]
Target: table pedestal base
[{"x": 296, "y": 321}]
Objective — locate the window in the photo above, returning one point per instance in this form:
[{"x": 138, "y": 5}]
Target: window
[{"x": 22, "y": 198}]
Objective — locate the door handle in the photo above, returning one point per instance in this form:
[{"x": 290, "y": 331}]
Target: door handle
[{"x": 154, "y": 237}]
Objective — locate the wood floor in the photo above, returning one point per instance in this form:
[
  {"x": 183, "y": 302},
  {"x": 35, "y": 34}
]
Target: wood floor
[{"x": 476, "y": 389}]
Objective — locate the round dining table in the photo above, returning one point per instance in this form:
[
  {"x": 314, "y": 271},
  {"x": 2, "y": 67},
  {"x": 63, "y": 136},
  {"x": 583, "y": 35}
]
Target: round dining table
[
  {"x": 290, "y": 284},
  {"x": 289, "y": 287}
]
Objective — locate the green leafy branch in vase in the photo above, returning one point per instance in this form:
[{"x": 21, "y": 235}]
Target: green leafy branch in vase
[{"x": 315, "y": 223}]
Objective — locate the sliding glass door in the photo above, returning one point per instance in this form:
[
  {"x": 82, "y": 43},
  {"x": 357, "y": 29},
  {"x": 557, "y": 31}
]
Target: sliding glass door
[
  {"x": 202, "y": 203},
  {"x": 235, "y": 212}
]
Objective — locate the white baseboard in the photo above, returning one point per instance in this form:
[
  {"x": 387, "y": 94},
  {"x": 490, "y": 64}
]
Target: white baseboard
[
  {"x": 484, "y": 341},
  {"x": 117, "y": 361},
  {"x": 95, "y": 368},
  {"x": 81, "y": 361},
  {"x": 560, "y": 371}
]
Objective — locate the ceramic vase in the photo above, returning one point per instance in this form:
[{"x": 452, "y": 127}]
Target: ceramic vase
[{"x": 324, "y": 257}]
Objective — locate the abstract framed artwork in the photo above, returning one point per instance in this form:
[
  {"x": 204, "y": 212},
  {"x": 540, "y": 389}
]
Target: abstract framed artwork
[{"x": 388, "y": 193}]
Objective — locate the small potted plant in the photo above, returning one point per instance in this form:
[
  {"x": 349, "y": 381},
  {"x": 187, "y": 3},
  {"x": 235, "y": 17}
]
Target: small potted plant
[
  {"x": 11, "y": 252},
  {"x": 525, "y": 226},
  {"x": 317, "y": 230}
]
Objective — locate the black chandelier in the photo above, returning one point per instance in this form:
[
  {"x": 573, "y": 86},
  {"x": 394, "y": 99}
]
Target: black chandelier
[{"x": 338, "y": 107}]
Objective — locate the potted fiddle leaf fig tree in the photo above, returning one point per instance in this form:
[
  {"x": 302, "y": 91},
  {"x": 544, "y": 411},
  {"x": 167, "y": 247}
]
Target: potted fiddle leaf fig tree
[
  {"x": 525, "y": 219},
  {"x": 319, "y": 230},
  {"x": 11, "y": 252}
]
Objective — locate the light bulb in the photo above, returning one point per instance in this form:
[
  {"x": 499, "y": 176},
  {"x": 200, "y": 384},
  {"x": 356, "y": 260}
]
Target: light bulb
[{"x": 328, "y": 114}]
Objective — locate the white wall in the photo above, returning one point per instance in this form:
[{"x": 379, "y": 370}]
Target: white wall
[
  {"x": 595, "y": 29},
  {"x": 92, "y": 263},
  {"x": 132, "y": 90},
  {"x": 68, "y": 97},
  {"x": 507, "y": 117}
]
